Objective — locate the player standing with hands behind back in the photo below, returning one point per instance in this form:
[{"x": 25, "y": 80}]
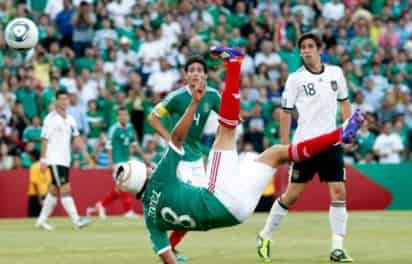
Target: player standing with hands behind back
[
  {"x": 314, "y": 91},
  {"x": 58, "y": 130}
]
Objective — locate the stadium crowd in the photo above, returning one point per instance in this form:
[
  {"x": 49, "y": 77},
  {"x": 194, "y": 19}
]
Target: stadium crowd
[{"x": 109, "y": 54}]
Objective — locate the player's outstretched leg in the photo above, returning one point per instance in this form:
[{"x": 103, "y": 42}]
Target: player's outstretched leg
[
  {"x": 276, "y": 155},
  {"x": 230, "y": 102}
]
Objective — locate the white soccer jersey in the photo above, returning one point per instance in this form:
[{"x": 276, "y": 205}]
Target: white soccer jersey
[
  {"x": 315, "y": 97},
  {"x": 59, "y": 131}
]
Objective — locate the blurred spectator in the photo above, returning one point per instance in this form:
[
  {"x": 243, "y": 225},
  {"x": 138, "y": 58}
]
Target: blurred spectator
[
  {"x": 119, "y": 9},
  {"x": 365, "y": 141},
  {"x": 105, "y": 34},
  {"x": 64, "y": 24},
  {"x": 333, "y": 10},
  {"x": 83, "y": 33},
  {"x": 162, "y": 81},
  {"x": 77, "y": 109},
  {"x": 388, "y": 145},
  {"x": 32, "y": 133},
  {"x": 373, "y": 97},
  {"x": 6, "y": 160},
  {"x": 101, "y": 154},
  {"x": 96, "y": 124},
  {"x": 254, "y": 128}
]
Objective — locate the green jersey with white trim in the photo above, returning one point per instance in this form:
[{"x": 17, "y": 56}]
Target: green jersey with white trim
[
  {"x": 170, "y": 204},
  {"x": 175, "y": 105},
  {"x": 120, "y": 139}
]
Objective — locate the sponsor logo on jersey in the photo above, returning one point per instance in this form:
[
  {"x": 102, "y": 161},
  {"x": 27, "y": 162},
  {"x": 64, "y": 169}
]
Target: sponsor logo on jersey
[{"x": 334, "y": 85}]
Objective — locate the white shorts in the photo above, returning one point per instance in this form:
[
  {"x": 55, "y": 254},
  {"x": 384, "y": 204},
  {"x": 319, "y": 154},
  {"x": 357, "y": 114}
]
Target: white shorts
[
  {"x": 237, "y": 185},
  {"x": 193, "y": 173}
]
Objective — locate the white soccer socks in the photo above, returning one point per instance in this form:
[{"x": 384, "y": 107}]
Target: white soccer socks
[
  {"x": 70, "y": 207},
  {"x": 48, "y": 206},
  {"x": 276, "y": 215},
  {"x": 338, "y": 217}
]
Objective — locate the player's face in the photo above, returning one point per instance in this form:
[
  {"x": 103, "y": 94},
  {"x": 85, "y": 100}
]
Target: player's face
[
  {"x": 62, "y": 102},
  {"x": 195, "y": 74},
  {"x": 310, "y": 52},
  {"x": 123, "y": 117}
]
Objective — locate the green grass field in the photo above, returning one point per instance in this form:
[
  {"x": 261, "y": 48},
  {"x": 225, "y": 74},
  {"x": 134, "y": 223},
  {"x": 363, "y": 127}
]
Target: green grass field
[{"x": 374, "y": 238}]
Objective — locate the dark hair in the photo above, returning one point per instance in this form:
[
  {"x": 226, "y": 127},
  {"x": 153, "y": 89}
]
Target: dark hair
[
  {"x": 312, "y": 36},
  {"x": 61, "y": 92},
  {"x": 196, "y": 59},
  {"x": 122, "y": 108}
]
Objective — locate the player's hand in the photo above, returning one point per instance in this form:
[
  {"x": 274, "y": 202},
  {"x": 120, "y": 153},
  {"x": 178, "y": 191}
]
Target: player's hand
[{"x": 199, "y": 91}]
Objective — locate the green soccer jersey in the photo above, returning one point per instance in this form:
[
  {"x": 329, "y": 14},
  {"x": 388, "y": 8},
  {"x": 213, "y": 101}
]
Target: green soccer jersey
[
  {"x": 120, "y": 139},
  {"x": 365, "y": 143},
  {"x": 170, "y": 204},
  {"x": 96, "y": 124},
  {"x": 32, "y": 133},
  {"x": 175, "y": 105}
]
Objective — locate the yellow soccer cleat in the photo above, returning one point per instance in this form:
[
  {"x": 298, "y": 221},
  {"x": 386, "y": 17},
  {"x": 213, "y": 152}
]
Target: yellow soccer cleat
[
  {"x": 339, "y": 255},
  {"x": 263, "y": 249}
]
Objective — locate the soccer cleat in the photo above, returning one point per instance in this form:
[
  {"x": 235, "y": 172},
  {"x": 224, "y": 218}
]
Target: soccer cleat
[
  {"x": 351, "y": 126},
  {"x": 263, "y": 249},
  {"x": 44, "y": 226},
  {"x": 101, "y": 211},
  {"x": 82, "y": 223},
  {"x": 339, "y": 255},
  {"x": 227, "y": 54},
  {"x": 179, "y": 258}
]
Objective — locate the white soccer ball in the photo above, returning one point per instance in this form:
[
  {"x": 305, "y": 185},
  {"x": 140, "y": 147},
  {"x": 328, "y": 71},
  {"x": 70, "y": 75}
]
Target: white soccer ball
[
  {"x": 130, "y": 176},
  {"x": 21, "y": 33}
]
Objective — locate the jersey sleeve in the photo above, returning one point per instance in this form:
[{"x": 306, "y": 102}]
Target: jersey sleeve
[
  {"x": 46, "y": 129},
  {"x": 166, "y": 107},
  {"x": 342, "y": 87},
  {"x": 160, "y": 241},
  {"x": 290, "y": 94}
]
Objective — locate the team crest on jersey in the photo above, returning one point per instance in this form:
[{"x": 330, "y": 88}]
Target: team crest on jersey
[
  {"x": 334, "y": 85},
  {"x": 295, "y": 174}
]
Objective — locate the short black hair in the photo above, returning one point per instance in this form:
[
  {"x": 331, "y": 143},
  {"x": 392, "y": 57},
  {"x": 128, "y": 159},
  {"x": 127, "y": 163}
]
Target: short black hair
[
  {"x": 310, "y": 35},
  {"x": 61, "y": 92},
  {"x": 122, "y": 108},
  {"x": 196, "y": 59}
]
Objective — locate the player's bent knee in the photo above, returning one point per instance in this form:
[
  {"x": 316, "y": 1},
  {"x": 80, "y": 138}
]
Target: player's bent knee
[
  {"x": 292, "y": 194},
  {"x": 274, "y": 156}
]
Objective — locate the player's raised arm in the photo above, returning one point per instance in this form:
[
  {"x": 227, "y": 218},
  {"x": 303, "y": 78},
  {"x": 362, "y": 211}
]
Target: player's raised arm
[
  {"x": 182, "y": 128},
  {"x": 154, "y": 122}
]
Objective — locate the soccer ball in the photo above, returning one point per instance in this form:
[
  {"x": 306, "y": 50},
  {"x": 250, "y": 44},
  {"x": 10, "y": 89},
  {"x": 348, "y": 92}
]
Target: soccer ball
[
  {"x": 130, "y": 176},
  {"x": 21, "y": 33}
]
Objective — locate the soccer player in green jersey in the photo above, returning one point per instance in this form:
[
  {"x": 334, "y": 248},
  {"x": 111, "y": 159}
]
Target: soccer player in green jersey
[
  {"x": 233, "y": 189},
  {"x": 191, "y": 168},
  {"x": 122, "y": 143}
]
